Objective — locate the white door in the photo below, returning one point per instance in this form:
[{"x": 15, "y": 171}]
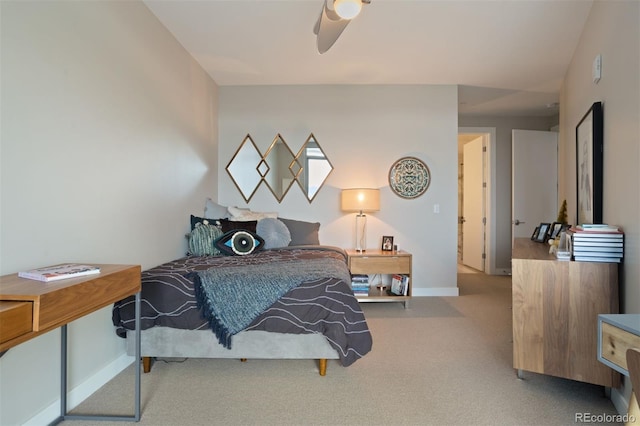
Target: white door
[
  {"x": 473, "y": 232},
  {"x": 534, "y": 180}
]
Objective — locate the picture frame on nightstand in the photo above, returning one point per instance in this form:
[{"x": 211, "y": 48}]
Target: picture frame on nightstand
[{"x": 387, "y": 243}]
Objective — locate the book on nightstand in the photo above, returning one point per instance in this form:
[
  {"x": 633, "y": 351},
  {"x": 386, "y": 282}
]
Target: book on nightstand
[
  {"x": 360, "y": 284},
  {"x": 399, "y": 284},
  {"x": 59, "y": 272}
]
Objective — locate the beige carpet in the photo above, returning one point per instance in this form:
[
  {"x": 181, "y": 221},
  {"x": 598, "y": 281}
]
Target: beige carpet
[{"x": 443, "y": 361}]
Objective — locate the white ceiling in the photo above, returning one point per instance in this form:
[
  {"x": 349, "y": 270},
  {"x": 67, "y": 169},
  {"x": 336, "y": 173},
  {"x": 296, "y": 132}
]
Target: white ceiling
[{"x": 508, "y": 56}]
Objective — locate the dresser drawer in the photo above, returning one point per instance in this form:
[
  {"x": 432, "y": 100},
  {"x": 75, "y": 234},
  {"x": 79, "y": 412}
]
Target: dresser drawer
[
  {"x": 615, "y": 342},
  {"x": 16, "y": 319},
  {"x": 380, "y": 265}
]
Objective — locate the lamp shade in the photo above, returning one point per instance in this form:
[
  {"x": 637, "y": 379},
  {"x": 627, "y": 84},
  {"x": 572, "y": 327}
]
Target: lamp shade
[{"x": 360, "y": 200}]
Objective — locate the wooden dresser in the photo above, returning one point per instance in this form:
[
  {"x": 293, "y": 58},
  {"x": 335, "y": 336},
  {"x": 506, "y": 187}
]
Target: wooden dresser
[{"x": 555, "y": 314}]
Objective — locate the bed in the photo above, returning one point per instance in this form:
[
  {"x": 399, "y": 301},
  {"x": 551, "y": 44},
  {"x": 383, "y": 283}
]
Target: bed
[{"x": 190, "y": 308}]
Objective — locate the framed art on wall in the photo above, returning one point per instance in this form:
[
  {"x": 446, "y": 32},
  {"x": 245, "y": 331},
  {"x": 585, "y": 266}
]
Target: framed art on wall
[
  {"x": 409, "y": 177},
  {"x": 589, "y": 147}
]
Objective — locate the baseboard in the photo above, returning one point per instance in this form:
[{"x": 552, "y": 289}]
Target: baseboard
[
  {"x": 503, "y": 271},
  {"x": 435, "y": 291},
  {"x": 619, "y": 401},
  {"x": 82, "y": 391}
]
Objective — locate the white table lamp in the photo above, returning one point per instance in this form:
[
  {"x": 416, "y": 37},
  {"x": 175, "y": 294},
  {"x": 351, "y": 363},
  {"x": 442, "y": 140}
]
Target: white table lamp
[{"x": 360, "y": 200}]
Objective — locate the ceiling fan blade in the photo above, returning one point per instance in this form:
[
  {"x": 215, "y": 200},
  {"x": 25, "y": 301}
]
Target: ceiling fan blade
[{"x": 328, "y": 28}]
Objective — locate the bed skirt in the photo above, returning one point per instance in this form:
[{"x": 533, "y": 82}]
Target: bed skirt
[{"x": 255, "y": 344}]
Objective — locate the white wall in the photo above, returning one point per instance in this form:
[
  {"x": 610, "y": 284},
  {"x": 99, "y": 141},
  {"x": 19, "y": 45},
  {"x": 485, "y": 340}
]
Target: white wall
[
  {"x": 108, "y": 143},
  {"x": 363, "y": 130},
  {"x": 612, "y": 30}
]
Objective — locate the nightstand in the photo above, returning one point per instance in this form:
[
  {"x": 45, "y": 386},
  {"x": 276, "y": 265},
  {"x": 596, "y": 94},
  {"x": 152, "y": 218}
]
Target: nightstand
[{"x": 372, "y": 262}]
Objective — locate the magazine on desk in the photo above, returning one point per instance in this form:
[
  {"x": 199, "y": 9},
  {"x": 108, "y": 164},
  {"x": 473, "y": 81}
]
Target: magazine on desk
[{"x": 59, "y": 272}]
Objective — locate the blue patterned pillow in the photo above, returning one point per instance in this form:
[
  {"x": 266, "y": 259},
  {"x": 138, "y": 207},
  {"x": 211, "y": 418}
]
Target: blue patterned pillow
[{"x": 274, "y": 232}]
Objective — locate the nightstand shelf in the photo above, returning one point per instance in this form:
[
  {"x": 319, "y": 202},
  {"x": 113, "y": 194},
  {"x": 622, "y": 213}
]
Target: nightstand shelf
[{"x": 372, "y": 262}]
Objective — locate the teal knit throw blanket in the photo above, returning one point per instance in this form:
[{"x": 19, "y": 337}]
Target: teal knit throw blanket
[{"x": 231, "y": 297}]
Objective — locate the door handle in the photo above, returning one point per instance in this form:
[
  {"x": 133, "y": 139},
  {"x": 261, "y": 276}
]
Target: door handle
[{"x": 517, "y": 222}]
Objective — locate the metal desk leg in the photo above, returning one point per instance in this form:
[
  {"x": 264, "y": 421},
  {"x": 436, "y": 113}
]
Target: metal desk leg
[
  {"x": 63, "y": 371},
  {"x": 63, "y": 378},
  {"x": 138, "y": 412}
]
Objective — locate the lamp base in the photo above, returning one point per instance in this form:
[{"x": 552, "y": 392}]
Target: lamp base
[{"x": 361, "y": 232}]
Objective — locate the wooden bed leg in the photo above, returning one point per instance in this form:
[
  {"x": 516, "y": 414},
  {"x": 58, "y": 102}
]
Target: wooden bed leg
[
  {"x": 146, "y": 364},
  {"x": 243, "y": 360},
  {"x": 322, "y": 364}
]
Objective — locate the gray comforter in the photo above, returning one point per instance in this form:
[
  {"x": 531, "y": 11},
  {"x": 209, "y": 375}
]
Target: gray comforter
[{"x": 317, "y": 304}]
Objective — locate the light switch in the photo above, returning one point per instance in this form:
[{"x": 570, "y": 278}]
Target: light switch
[
  {"x": 436, "y": 208},
  {"x": 597, "y": 68}
]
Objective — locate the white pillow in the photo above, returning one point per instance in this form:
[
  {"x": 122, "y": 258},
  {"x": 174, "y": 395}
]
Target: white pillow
[
  {"x": 213, "y": 210},
  {"x": 238, "y": 214}
]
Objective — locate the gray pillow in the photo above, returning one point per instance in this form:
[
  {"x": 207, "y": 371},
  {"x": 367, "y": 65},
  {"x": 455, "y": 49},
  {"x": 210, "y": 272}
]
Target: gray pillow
[
  {"x": 274, "y": 233},
  {"x": 213, "y": 210},
  {"x": 302, "y": 233}
]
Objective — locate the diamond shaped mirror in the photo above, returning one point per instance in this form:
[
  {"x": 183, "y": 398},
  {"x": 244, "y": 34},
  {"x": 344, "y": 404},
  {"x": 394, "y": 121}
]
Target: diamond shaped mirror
[
  {"x": 278, "y": 168},
  {"x": 315, "y": 167},
  {"x": 246, "y": 168},
  {"x": 279, "y": 176}
]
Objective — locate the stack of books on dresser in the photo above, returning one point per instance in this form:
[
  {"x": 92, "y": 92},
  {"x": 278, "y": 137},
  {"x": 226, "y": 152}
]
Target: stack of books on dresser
[
  {"x": 596, "y": 243},
  {"x": 360, "y": 284}
]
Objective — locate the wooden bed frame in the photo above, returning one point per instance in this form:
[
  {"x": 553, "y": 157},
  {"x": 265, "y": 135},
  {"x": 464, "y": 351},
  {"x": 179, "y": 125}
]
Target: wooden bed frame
[{"x": 165, "y": 342}]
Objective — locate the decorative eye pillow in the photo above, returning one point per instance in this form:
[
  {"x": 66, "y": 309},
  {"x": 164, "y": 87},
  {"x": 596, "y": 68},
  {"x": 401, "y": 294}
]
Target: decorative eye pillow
[{"x": 239, "y": 242}]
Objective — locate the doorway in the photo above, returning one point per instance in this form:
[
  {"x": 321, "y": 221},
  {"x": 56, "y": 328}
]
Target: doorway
[{"x": 477, "y": 253}]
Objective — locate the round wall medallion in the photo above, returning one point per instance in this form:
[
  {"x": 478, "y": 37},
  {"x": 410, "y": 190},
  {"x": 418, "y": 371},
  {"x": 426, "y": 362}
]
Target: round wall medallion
[{"x": 409, "y": 177}]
